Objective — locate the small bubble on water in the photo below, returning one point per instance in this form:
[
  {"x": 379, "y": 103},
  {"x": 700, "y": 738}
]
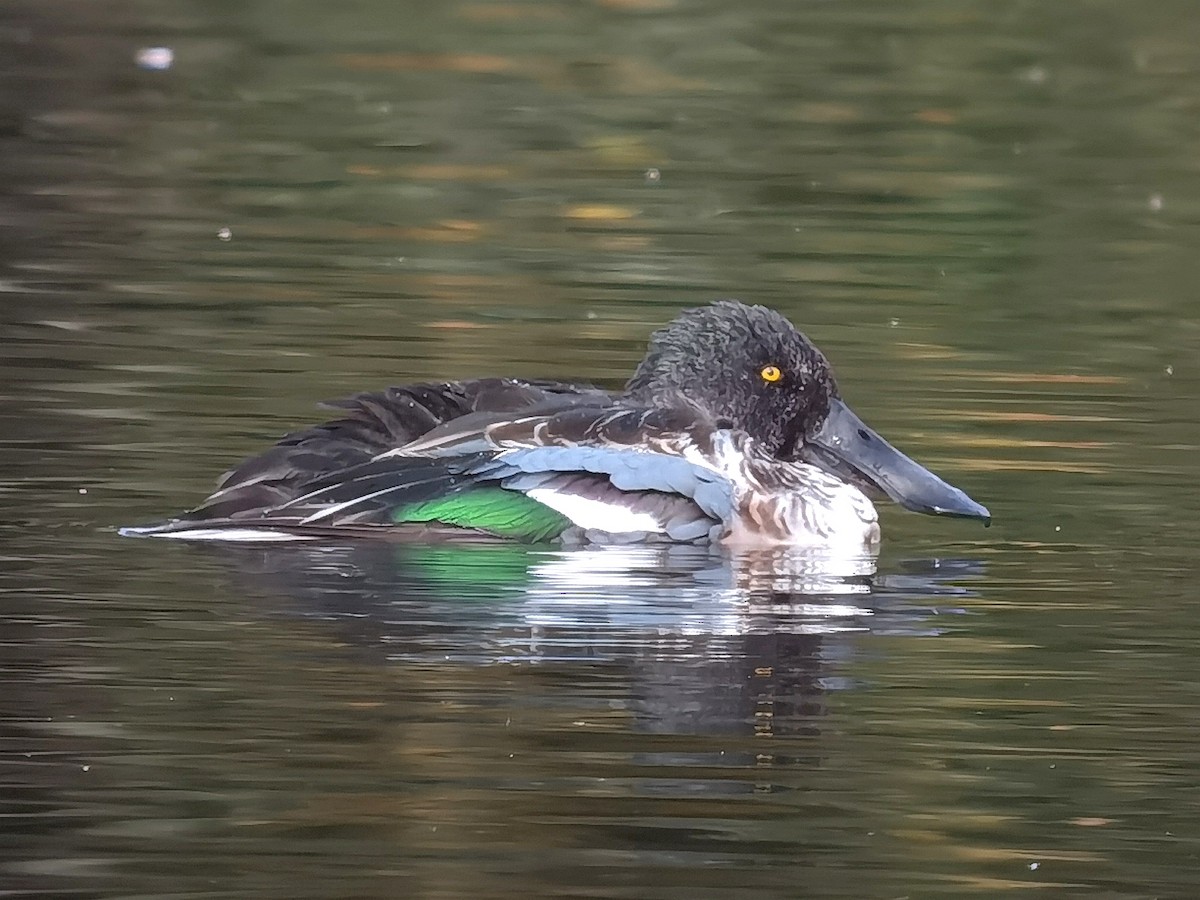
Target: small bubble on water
[
  {"x": 1036, "y": 75},
  {"x": 1155, "y": 202},
  {"x": 652, "y": 175},
  {"x": 225, "y": 234},
  {"x": 155, "y": 59}
]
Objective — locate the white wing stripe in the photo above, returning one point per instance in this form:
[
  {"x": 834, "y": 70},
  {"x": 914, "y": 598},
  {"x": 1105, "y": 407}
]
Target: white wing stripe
[{"x": 587, "y": 512}]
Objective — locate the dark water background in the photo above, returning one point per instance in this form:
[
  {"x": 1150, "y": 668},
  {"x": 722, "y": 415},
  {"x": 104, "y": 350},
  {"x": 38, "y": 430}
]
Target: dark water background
[{"x": 987, "y": 214}]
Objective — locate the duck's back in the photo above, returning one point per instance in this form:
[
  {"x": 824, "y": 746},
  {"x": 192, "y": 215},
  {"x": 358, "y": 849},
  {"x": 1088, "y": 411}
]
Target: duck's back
[{"x": 373, "y": 423}]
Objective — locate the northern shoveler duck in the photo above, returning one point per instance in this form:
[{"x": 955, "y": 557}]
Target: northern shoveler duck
[{"x": 731, "y": 430}]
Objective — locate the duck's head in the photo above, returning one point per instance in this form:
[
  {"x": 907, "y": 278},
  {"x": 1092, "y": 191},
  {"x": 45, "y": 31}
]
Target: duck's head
[{"x": 750, "y": 367}]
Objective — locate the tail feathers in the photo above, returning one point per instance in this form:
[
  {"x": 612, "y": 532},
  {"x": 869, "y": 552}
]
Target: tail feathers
[
  {"x": 275, "y": 531},
  {"x": 215, "y": 530},
  {"x": 407, "y": 496},
  {"x": 364, "y": 496}
]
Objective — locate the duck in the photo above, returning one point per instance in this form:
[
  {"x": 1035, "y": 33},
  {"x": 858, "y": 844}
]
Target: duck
[{"x": 731, "y": 431}]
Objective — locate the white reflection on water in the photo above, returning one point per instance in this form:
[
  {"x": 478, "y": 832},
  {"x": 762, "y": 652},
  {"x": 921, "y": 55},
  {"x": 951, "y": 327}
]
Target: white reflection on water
[{"x": 686, "y": 592}]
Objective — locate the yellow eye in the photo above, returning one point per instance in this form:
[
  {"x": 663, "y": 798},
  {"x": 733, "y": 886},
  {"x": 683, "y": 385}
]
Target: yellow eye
[{"x": 771, "y": 374}]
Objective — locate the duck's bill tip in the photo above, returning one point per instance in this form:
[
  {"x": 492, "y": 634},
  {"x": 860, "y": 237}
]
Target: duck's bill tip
[{"x": 962, "y": 507}]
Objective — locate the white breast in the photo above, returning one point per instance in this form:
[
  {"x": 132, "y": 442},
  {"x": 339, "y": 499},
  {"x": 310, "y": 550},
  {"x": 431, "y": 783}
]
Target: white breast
[{"x": 792, "y": 504}]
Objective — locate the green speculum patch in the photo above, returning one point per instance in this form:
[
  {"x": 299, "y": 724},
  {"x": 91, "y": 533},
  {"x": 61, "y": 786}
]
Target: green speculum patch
[{"x": 508, "y": 514}]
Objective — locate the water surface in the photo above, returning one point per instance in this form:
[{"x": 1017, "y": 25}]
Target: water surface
[{"x": 985, "y": 215}]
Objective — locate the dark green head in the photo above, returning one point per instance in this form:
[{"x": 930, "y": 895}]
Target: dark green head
[{"x": 747, "y": 365}]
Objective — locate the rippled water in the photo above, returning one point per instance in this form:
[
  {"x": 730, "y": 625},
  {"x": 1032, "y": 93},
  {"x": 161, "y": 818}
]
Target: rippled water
[{"x": 984, "y": 214}]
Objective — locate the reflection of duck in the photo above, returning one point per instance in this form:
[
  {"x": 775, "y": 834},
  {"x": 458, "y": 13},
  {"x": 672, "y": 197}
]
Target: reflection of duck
[
  {"x": 669, "y": 589},
  {"x": 730, "y": 430},
  {"x": 704, "y": 642}
]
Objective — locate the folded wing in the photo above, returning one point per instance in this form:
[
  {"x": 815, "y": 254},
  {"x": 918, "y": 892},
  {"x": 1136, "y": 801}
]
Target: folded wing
[{"x": 588, "y": 470}]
